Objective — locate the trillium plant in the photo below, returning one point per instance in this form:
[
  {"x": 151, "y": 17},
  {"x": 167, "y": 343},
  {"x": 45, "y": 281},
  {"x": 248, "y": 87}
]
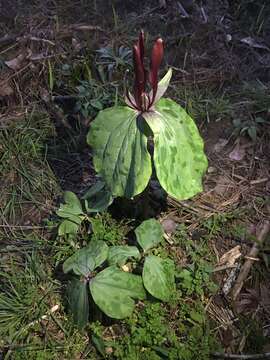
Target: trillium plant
[
  {"x": 106, "y": 275},
  {"x": 119, "y": 136}
]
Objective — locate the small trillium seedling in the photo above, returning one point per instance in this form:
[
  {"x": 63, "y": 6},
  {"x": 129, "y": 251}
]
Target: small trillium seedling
[{"x": 119, "y": 136}]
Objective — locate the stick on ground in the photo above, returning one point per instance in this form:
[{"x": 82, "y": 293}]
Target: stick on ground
[{"x": 251, "y": 258}]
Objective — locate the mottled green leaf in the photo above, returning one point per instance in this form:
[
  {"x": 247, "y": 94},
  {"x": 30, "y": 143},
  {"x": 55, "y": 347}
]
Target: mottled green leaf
[
  {"x": 77, "y": 293},
  {"x": 71, "y": 207},
  {"x": 149, "y": 234},
  {"x": 179, "y": 158},
  {"x": 113, "y": 291},
  {"x": 120, "y": 151},
  {"x": 97, "y": 198},
  {"x": 87, "y": 259},
  {"x": 118, "y": 255},
  {"x": 68, "y": 227},
  {"x": 158, "y": 277}
]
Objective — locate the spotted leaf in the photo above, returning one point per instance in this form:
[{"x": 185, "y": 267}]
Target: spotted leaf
[
  {"x": 179, "y": 158},
  {"x": 87, "y": 259},
  {"x": 149, "y": 234},
  {"x": 158, "y": 277},
  {"x": 114, "y": 291},
  {"x": 118, "y": 255},
  {"x": 120, "y": 150}
]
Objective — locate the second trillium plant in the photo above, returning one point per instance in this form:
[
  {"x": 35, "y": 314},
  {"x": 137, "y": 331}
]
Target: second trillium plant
[{"x": 119, "y": 136}]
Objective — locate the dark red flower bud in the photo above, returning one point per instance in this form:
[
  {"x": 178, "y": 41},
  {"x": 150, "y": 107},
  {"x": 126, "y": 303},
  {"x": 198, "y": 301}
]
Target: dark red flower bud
[
  {"x": 141, "y": 44},
  {"x": 141, "y": 100},
  {"x": 156, "y": 59},
  {"x": 139, "y": 85}
]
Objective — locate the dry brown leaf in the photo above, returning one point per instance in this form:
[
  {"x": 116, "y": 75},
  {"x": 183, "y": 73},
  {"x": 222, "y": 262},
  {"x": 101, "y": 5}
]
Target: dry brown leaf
[
  {"x": 19, "y": 61},
  {"x": 238, "y": 153},
  {"x": 220, "y": 144},
  {"x": 16, "y": 63},
  {"x": 169, "y": 226},
  {"x": 230, "y": 257}
]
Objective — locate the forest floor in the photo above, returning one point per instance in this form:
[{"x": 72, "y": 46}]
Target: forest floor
[{"x": 54, "y": 78}]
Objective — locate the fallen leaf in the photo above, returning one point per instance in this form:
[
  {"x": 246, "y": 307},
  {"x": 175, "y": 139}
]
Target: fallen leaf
[
  {"x": 16, "y": 63},
  {"x": 238, "y": 153},
  {"x": 19, "y": 61},
  {"x": 220, "y": 144},
  {"x": 169, "y": 226},
  {"x": 230, "y": 257}
]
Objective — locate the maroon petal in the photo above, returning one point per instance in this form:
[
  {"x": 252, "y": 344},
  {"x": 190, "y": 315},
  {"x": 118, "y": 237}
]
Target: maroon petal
[
  {"x": 141, "y": 45},
  {"x": 156, "y": 59},
  {"x": 139, "y": 85}
]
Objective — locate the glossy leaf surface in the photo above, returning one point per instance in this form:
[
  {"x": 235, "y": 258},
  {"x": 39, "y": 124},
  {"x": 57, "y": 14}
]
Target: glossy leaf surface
[{"x": 120, "y": 151}]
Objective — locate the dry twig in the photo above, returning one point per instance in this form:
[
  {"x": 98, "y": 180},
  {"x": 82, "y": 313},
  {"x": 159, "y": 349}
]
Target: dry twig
[{"x": 252, "y": 256}]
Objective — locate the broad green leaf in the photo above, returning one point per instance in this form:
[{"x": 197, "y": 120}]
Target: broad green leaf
[
  {"x": 71, "y": 207},
  {"x": 99, "y": 344},
  {"x": 158, "y": 277},
  {"x": 179, "y": 158},
  {"x": 87, "y": 259},
  {"x": 97, "y": 198},
  {"x": 197, "y": 316},
  {"x": 113, "y": 291},
  {"x": 149, "y": 234},
  {"x": 68, "y": 227},
  {"x": 120, "y": 151},
  {"x": 77, "y": 292},
  {"x": 252, "y": 132},
  {"x": 118, "y": 255}
]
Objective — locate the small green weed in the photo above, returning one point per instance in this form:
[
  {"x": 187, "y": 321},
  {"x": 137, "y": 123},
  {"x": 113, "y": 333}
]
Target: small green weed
[
  {"x": 112, "y": 59},
  {"x": 105, "y": 228},
  {"x": 251, "y": 127},
  {"x": 195, "y": 278},
  {"x": 93, "y": 97},
  {"x": 158, "y": 332}
]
